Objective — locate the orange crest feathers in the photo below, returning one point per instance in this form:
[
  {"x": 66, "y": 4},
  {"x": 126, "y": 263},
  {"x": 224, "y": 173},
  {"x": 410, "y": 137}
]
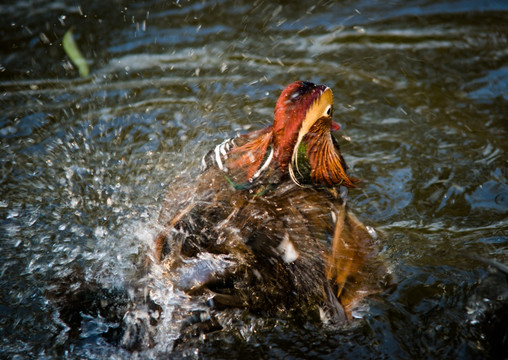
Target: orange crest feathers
[
  {"x": 327, "y": 164},
  {"x": 246, "y": 159}
]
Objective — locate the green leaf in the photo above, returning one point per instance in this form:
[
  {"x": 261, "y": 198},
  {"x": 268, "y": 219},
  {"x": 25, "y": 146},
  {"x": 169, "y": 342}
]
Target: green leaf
[{"x": 72, "y": 51}]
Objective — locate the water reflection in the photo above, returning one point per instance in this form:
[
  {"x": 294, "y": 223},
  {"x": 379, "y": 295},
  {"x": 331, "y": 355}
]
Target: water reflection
[{"x": 421, "y": 96}]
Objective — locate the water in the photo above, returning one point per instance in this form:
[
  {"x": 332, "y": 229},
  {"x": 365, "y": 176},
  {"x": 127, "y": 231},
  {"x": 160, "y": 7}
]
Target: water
[{"x": 420, "y": 92}]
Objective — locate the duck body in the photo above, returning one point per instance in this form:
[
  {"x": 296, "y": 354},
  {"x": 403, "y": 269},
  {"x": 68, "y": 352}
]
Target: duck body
[{"x": 266, "y": 226}]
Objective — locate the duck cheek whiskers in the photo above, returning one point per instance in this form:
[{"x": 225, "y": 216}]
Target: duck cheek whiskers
[
  {"x": 294, "y": 162},
  {"x": 292, "y": 174}
]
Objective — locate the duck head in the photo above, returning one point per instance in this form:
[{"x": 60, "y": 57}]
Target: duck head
[{"x": 300, "y": 139}]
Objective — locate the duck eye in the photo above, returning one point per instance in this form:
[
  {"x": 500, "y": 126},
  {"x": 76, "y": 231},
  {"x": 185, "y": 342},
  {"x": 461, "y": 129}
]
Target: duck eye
[{"x": 329, "y": 110}]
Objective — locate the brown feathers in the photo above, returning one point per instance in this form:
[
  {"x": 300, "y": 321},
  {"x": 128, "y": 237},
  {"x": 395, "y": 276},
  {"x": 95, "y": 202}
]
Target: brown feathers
[
  {"x": 247, "y": 158},
  {"x": 351, "y": 263},
  {"x": 270, "y": 243},
  {"x": 327, "y": 164}
]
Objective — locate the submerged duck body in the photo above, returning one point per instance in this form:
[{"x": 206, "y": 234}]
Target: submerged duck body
[{"x": 266, "y": 226}]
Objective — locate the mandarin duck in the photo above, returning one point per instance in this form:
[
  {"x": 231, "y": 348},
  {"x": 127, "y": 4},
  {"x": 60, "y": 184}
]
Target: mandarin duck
[{"x": 265, "y": 226}]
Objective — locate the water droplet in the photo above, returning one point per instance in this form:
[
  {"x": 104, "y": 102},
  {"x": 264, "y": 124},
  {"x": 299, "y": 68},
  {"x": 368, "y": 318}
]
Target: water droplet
[
  {"x": 359, "y": 29},
  {"x": 372, "y": 232},
  {"x": 100, "y": 232},
  {"x": 12, "y": 214},
  {"x": 44, "y": 38}
]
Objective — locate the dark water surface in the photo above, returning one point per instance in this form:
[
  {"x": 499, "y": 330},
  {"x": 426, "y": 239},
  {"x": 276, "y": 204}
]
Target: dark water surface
[{"x": 421, "y": 92}]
